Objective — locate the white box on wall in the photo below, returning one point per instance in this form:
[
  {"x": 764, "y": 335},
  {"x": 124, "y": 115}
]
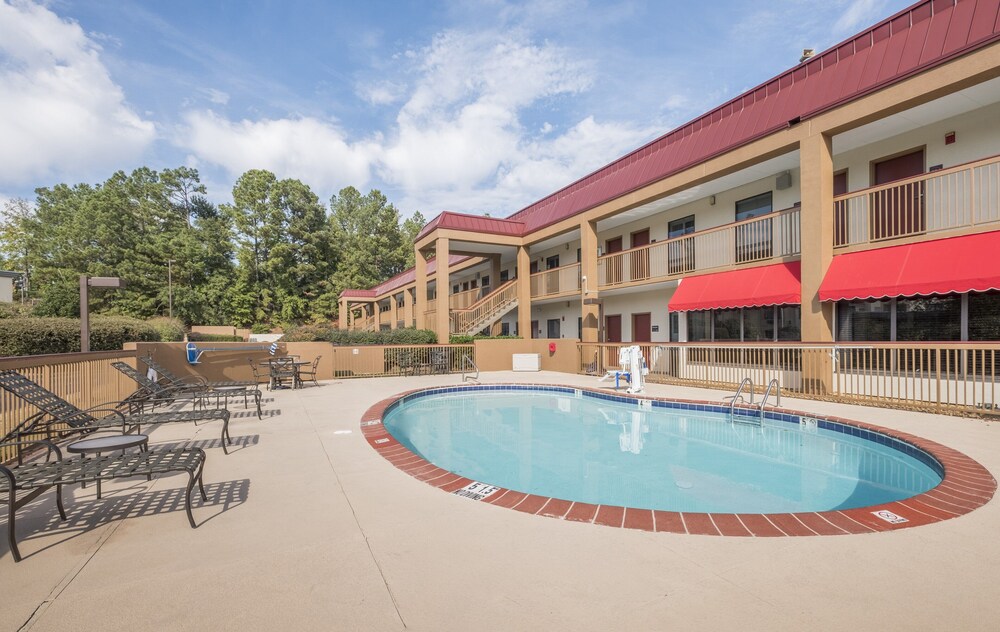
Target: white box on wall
[{"x": 527, "y": 362}]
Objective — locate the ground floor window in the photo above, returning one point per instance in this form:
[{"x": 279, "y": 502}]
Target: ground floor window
[
  {"x": 951, "y": 317},
  {"x": 751, "y": 324}
]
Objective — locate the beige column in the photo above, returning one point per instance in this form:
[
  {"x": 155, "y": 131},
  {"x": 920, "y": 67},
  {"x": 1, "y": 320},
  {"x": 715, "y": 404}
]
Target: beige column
[
  {"x": 342, "y": 313},
  {"x": 408, "y": 308},
  {"x": 420, "y": 298},
  {"x": 442, "y": 323},
  {"x": 816, "y": 225},
  {"x": 524, "y": 293},
  {"x": 589, "y": 307},
  {"x": 393, "y": 312}
]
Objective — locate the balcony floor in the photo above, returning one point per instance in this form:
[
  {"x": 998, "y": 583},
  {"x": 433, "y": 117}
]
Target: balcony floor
[{"x": 307, "y": 527}]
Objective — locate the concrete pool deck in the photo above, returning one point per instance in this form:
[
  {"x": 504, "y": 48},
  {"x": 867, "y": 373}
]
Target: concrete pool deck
[{"x": 309, "y": 528}]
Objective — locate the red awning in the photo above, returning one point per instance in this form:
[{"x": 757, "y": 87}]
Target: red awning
[
  {"x": 752, "y": 287},
  {"x": 959, "y": 264}
]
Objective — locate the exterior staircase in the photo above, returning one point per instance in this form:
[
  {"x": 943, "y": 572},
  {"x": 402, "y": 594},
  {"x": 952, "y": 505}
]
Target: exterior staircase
[{"x": 485, "y": 311}]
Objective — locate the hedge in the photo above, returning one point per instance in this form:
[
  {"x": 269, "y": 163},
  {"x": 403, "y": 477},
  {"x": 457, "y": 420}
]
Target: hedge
[
  {"x": 329, "y": 333},
  {"x": 468, "y": 340},
  {"x": 169, "y": 329},
  {"x": 199, "y": 337},
  {"x": 36, "y": 336}
]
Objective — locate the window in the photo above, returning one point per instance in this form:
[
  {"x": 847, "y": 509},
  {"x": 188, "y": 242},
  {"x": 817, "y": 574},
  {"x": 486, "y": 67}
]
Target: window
[
  {"x": 680, "y": 253},
  {"x": 552, "y": 262},
  {"x": 753, "y": 240},
  {"x": 984, "y": 316},
  {"x": 758, "y": 324},
  {"x": 578, "y": 259},
  {"x": 486, "y": 281},
  {"x": 699, "y": 326},
  {"x": 726, "y": 324},
  {"x": 473, "y": 284},
  {"x": 504, "y": 276},
  {"x": 454, "y": 289},
  {"x": 682, "y": 226},
  {"x": 465, "y": 286},
  {"x": 868, "y": 321},
  {"x": 789, "y": 322},
  {"x": 935, "y": 318},
  {"x": 675, "y": 326}
]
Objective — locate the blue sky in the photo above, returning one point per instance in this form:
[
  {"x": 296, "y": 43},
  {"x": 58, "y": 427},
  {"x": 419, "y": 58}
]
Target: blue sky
[{"x": 465, "y": 106}]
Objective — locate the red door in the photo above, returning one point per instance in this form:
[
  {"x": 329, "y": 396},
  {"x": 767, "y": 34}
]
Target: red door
[
  {"x": 613, "y": 265},
  {"x": 639, "y": 265},
  {"x": 613, "y": 328},
  {"x": 898, "y": 210},
  {"x": 642, "y": 327},
  {"x": 534, "y": 329}
]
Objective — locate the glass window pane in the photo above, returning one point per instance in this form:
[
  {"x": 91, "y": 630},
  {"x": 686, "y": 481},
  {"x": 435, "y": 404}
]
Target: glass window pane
[
  {"x": 758, "y": 324},
  {"x": 789, "y": 322},
  {"x": 932, "y": 318},
  {"x": 699, "y": 326},
  {"x": 984, "y": 316},
  {"x": 682, "y": 226},
  {"x": 727, "y": 324},
  {"x": 675, "y": 326},
  {"x": 753, "y": 207},
  {"x": 864, "y": 321}
]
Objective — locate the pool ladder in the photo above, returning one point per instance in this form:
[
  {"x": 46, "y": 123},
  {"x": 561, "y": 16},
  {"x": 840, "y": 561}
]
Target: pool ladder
[
  {"x": 738, "y": 397},
  {"x": 767, "y": 393},
  {"x": 466, "y": 362}
]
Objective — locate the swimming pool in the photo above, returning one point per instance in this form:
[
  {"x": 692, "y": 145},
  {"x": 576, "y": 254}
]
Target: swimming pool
[{"x": 561, "y": 450}]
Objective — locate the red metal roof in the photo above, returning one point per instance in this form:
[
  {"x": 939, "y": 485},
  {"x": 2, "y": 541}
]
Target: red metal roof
[
  {"x": 942, "y": 266},
  {"x": 776, "y": 284},
  {"x": 915, "y": 39},
  {"x": 473, "y": 223},
  {"x": 403, "y": 278},
  {"x": 357, "y": 294}
]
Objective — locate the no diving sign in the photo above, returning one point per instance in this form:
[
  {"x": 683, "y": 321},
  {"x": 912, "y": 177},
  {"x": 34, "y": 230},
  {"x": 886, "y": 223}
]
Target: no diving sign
[
  {"x": 890, "y": 517},
  {"x": 476, "y": 491}
]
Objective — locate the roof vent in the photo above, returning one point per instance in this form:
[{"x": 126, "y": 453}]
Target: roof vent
[{"x": 806, "y": 54}]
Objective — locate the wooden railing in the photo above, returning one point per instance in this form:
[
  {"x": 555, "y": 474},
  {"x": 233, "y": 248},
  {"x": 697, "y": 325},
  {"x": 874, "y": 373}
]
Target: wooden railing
[
  {"x": 466, "y": 320},
  {"x": 461, "y": 300},
  {"x": 368, "y": 324},
  {"x": 556, "y": 281},
  {"x": 953, "y": 378},
  {"x": 388, "y": 360},
  {"x": 772, "y": 236},
  {"x": 963, "y": 196},
  {"x": 83, "y": 379}
]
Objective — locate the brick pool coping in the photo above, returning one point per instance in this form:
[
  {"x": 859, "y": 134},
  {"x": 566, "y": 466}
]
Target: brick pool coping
[{"x": 966, "y": 486}]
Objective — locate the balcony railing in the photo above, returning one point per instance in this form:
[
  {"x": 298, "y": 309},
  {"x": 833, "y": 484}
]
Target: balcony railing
[
  {"x": 772, "y": 236},
  {"x": 963, "y": 196},
  {"x": 556, "y": 281},
  {"x": 461, "y": 300}
]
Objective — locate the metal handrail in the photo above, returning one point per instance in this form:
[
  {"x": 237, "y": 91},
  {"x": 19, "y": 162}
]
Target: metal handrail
[
  {"x": 739, "y": 395},
  {"x": 466, "y": 359},
  {"x": 767, "y": 393}
]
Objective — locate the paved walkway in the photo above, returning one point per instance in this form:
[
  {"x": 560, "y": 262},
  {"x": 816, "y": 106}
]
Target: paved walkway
[{"x": 308, "y": 528}]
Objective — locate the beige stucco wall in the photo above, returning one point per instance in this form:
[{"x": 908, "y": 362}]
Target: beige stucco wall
[
  {"x": 496, "y": 355},
  {"x": 222, "y": 364},
  {"x": 6, "y": 290}
]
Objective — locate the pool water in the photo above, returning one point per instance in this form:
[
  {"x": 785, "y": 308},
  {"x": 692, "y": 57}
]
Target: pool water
[{"x": 574, "y": 446}]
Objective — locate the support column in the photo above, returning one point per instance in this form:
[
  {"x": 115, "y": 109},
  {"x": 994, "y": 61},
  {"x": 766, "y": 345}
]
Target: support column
[
  {"x": 420, "y": 291},
  {"x": 816, "y": 189},
  {"x": 589, "y": 305},
  {"x": 816, "y": 227},
  {"x": 393, "y": 312},
  {"x": 524, "y": 293},
  {"x": 408, "y": 308},
  {"x": 442, "y": 323},
  {"x": 342, "y": 314}
]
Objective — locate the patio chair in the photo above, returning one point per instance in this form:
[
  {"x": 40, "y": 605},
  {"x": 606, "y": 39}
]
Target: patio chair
[
  {"x": 309, "y": 372},
  {"x": 440, "y": 361},
  {"x": 284, "y": 373},
  {"x": 37, "y": 476},
  {"x": 176, "y": 392},
  {"x": 57, "y": 412}
]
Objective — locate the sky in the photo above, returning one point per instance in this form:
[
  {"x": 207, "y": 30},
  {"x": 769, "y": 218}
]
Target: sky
[{"x": 469, "y": 106}]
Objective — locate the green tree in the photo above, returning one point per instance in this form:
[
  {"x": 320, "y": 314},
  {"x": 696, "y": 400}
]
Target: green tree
[{"x": 16, "y": 227}]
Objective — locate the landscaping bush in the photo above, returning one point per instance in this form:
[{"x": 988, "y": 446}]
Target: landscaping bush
[
  {"x": 36, "y": 336},
  {"x": 14, "y": 310},
  {"x": 329, "y": 333},
  {"x": 468, "y": 340},
  {"x": 199, "y": 337},
  {"x": 169, "y": 329}
]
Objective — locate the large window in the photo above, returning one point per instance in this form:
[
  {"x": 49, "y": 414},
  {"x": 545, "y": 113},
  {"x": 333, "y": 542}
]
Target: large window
[
  {"x": 984, "y": 316},
  {"x": 753, "y": 239},
  {"x": 699, "y": 326},
  {"x": 756, "y": 324},
  {"x": 937, "y": 318},
  {"x": 868, "y": 321},
  {"x": 789, "y": 322},
  {"x": 727, "y": 324}
]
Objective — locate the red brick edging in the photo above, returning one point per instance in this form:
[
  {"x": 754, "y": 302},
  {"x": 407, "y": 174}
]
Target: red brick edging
[{"x": 967, "y": 485}]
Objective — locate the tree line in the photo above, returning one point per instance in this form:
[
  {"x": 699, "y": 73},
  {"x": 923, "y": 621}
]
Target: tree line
[{"x": 275, "y": 256}]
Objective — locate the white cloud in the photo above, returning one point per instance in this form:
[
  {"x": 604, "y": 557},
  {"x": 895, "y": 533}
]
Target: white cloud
[
  {"x": 857, "y": 14},
  {"x": 308, "y": 149},
  {"x": 217, "y": 96},
  {"x": 381, "y": 92},
  {"x": 60, "y": 111}
]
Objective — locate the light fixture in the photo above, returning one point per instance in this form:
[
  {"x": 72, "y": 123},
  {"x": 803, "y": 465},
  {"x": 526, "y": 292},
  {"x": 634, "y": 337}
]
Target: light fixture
[{"x": 711, "y": 200}]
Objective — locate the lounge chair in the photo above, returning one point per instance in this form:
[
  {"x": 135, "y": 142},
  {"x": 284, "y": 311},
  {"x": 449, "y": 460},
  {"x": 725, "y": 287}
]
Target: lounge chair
[
  {"x": 193, "y": 381},
  {"x": 157, "y": 393},
  {"x": 57, "y": 416},
  {"x": 35, "y": 477}
]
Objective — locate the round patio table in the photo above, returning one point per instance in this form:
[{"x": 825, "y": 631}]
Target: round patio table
[{"x": 96, "y": 445}]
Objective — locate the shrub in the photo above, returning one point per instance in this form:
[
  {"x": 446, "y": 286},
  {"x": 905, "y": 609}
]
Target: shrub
[
  {"x": 260, "y": 328},
  {"x": 14, "y": 310},
  {"x": 36, "y": 336},
  {"x": 169, "y": 329},
  {"x": 199, "y": 337},
  {"x": 329, "y": 333},
  {"x": 465, "y": 340}
]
